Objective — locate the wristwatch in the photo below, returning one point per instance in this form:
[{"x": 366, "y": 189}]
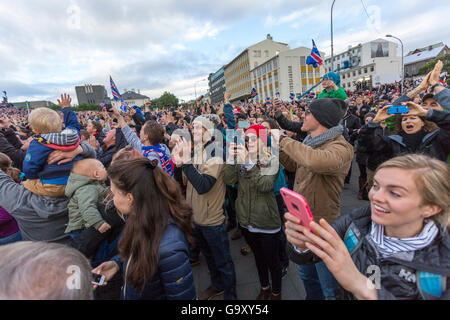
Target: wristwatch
[{"x": 434, "y": 86}]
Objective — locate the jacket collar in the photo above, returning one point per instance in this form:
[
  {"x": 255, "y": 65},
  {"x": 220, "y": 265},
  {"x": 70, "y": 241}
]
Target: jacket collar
[{"x": 399, "y": 139}]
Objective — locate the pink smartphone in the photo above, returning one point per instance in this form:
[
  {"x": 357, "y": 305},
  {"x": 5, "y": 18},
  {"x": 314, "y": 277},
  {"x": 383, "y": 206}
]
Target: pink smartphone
[{"x": 298, "y": 207}]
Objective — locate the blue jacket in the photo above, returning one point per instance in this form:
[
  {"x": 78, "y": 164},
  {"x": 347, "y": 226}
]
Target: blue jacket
[
  {"x": 174, "y": 279},
  {"x": 35, "y": 164}
]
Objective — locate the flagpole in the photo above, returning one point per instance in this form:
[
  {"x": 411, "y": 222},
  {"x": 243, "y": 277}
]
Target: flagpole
[
  {"x": 332, "y": 54},
  {"x": 308, "y": 91}
]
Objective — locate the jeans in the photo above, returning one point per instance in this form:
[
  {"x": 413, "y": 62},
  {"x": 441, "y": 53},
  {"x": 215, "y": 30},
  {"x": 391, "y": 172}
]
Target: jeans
[
  {"x": 318, "y": 281},
  {"x": 214, "y": 245},
  {"x": 284, "y": 258},
  {"x": 265, "y": 248},
  {"x": 12, "y": 238}
]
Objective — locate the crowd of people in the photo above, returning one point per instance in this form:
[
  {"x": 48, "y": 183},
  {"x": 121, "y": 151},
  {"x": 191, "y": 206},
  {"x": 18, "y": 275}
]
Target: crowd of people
[{"x": 137, "y": 196}]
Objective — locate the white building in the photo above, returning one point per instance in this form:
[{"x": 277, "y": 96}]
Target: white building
[
  {"x": 132, "y": 98},
  {"x": 375, "y": 62},
  {"x": 286, "y": 73},
  {"x": 237, "y": 72}
]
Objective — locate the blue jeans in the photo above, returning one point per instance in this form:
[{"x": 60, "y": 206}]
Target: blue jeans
[
  {"x": 12, "y": 238},
  {"x": 214, "y": 245},
  {"x": 318, "y": 281}
]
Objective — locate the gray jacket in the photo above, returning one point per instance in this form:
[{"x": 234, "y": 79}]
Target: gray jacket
[{"x": 39, "y": 218}]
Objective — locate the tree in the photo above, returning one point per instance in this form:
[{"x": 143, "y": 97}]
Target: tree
[
  {"x": 164, "y": 100},
  {"x": 430, "y": 64}
]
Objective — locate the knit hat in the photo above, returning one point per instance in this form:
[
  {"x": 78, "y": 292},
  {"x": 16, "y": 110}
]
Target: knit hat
[
  {"x": 206, "y": 123},
  {"x": 333, "y": 76},
  {"x": 328, "y": 111},
  {"x": 259, "y": 130}
]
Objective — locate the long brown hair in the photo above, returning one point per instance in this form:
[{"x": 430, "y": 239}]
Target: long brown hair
[{"x": 156, "y": 198}]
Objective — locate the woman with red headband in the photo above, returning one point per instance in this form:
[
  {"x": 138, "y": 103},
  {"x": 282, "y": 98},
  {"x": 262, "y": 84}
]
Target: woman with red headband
[{"x": 256, "y": 172}]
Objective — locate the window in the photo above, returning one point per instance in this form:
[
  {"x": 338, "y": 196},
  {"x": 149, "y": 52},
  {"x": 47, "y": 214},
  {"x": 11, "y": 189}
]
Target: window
[
  {"x": 275, "y": 63},
  {"x": 255, "y": 54},
  {"x": 354, "y": 73},
  {"x": 359, "y": 71},
  {"x": 276, "y": 77},
  {"x": 269, "y": 66},
  {"x": 343, "y": 76},
  {"x": 372, "y": 68},
  {"x": 259, "y": 72},
  {"x": 264, "y": 69},
  {"x": 267, "y": 53},
  {"x": 303, "y": 74},
  {"x": 302, "y": 61},
  {"x": 256, "y": 64},
  {"x": 304, "y": 89},
  {"x": 310, "y": 74},
  {"x": 365, "y": 70},
  {"x": 343, "y": 86}
]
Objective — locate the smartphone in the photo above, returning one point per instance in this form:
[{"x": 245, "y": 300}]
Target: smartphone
[
  {"x": 398, "y": 109},
  {"x": 244, "y": 124},
  {"x": 99, "y": 279},
  {"x": 298, "y": 207}
]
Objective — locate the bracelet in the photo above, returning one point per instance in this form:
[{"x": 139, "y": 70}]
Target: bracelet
[{"x": 434, "y": 87}]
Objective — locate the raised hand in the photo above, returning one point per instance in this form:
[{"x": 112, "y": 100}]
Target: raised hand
[{"x": 65, "y": 101}]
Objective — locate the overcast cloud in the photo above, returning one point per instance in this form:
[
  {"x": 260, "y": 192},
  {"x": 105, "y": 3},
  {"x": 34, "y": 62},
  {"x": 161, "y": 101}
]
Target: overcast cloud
[{"x": 48, "y": 47}]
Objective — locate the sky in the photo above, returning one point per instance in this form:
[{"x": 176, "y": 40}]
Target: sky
[{"x": 49, "y": 47}]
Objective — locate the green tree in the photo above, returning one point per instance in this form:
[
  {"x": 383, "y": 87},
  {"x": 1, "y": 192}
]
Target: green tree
[
  {"x": 164, "y": 100},
  {"x": 430, "y": 65}
]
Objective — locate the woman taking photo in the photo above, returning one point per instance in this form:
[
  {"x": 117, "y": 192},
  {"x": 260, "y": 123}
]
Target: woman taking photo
[
  {"x": 400, "y": 241},
  {"x": 256, "y": 207},
  {"x": 153, "y": 248},
  {"x": 418, "y": 131}
]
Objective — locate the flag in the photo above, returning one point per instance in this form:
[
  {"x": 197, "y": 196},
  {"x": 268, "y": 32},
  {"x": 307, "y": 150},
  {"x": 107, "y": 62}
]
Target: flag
[
  {"x": 314, "y": 58},
  {"x": 139, "y": 111},
  {"x": 292, "y": 96},
  {"x": 253, "y": 93},
  {"x": 268, "y": 100},
  {"x": 123, "y": 106},
  {"x": 114, "y": 90}
]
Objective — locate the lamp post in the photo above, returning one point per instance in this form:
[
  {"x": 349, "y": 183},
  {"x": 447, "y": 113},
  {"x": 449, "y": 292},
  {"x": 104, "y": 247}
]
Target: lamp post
[
  {"x": 403, "y": 65},
  {"x": 195, "y": 87},
  {"x": 332, "y": 54}
]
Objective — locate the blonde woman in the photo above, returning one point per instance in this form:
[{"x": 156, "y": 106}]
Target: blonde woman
[{"x": 396, "y": 248}]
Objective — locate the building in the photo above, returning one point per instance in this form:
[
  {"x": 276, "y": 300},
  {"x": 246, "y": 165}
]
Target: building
[
  {"x": 92, "y": 94},
  {"x": 217, "y": 86},
  {"x": 237, "y": 72},
  {"x": 33, "y": 104},
  {"x": 132, "y": 98},
  {"x": 373, "y": 63},
  {"x": 286, "y": 73},
  {"x": 416, "y": 59}
]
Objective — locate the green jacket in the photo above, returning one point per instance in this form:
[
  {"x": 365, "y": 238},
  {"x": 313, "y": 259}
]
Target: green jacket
[
  {"x": 255, "y": 203},
  {"x": 85, "y": 193},
  {"x": 339, "y": 94}
]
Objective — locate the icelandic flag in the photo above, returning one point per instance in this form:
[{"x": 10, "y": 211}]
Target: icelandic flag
[
  {"x": 311, "y": 95},
  {"x": 123, "y": 105},
  {"x": 314, "y": 58},
  {"x": 138, "y": 111},
  {"x": 114, "y": 90},
  {"x": 268, "y": 101},
  {"x": 292, "y": 96},
  {"x": 253, "y": 93}
]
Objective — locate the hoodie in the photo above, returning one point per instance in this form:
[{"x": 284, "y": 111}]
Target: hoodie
[{"x": 85, "y": 193}]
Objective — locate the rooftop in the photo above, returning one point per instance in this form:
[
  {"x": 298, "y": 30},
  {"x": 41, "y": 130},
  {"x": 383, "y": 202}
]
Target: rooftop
[{"x": 423, "y": 55}]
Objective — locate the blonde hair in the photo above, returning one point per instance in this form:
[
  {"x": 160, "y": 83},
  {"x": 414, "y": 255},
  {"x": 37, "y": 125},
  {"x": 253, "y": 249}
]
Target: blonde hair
[
  {"x": 45, "y": 120},
  {"x": 432, "y": 178}
]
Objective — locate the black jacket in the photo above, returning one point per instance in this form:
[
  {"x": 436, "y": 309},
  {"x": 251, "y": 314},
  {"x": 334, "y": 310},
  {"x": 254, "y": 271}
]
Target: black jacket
[
  {"x": 351, "y": 123},
  {"x": 435, "y": 144},
  {"x": 293, "y": 126},
  {"x": 367, "y": 156},
  {"x": 10, "y": 145},
  {"x": 402, "y": 276}
]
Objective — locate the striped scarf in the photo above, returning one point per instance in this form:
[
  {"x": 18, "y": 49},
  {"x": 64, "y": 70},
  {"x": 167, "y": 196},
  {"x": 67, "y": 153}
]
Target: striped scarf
[
  {"x": 388, "y": 246},
  {"x": 324, "y": 137}
]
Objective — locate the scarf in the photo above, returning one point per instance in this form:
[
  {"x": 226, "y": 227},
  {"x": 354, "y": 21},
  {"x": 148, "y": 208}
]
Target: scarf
[
  {"x": 324, "y": 137},
  {"x": 388, "y": 246},
  {"x": 413, "y": 141}
]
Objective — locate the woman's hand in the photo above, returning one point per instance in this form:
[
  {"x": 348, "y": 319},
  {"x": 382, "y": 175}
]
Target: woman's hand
[
  {"x": 63, "y": 157},
  {"x": 294, "y": 232},
  {"x": 416, "y": 110},
  {"x": 383, "y": 114},
  {"x": 108, "y": 269},
  {"x": 436, "y": 73},
  {"x": 26, "y": 144},
  {"x": 332, "y": 250},
  {"x": 65, "y": 101}
]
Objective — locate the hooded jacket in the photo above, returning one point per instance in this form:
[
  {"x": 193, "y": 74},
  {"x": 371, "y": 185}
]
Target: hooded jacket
[
  {"x": 85, "y": 193},
  {"x": 422, "y": 274}
]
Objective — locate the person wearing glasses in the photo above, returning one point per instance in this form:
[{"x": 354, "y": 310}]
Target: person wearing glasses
[{"x": 321, "y": 163}]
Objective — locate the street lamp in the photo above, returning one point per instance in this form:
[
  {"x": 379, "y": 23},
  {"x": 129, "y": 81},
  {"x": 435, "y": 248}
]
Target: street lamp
[
  {"x": 403, "y": 65},
  {"x": 332, "y": 54},
  {"x": 195, "y": 87}
]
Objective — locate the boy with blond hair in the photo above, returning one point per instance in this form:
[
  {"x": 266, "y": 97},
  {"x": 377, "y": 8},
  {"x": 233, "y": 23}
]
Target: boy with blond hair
[{"x": 43, "y": 178}]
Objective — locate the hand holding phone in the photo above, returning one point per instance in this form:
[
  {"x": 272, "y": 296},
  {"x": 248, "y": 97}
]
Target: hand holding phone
[
  {"x": 298, "y": 207},
  {"x": 99, "y": 279}
]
